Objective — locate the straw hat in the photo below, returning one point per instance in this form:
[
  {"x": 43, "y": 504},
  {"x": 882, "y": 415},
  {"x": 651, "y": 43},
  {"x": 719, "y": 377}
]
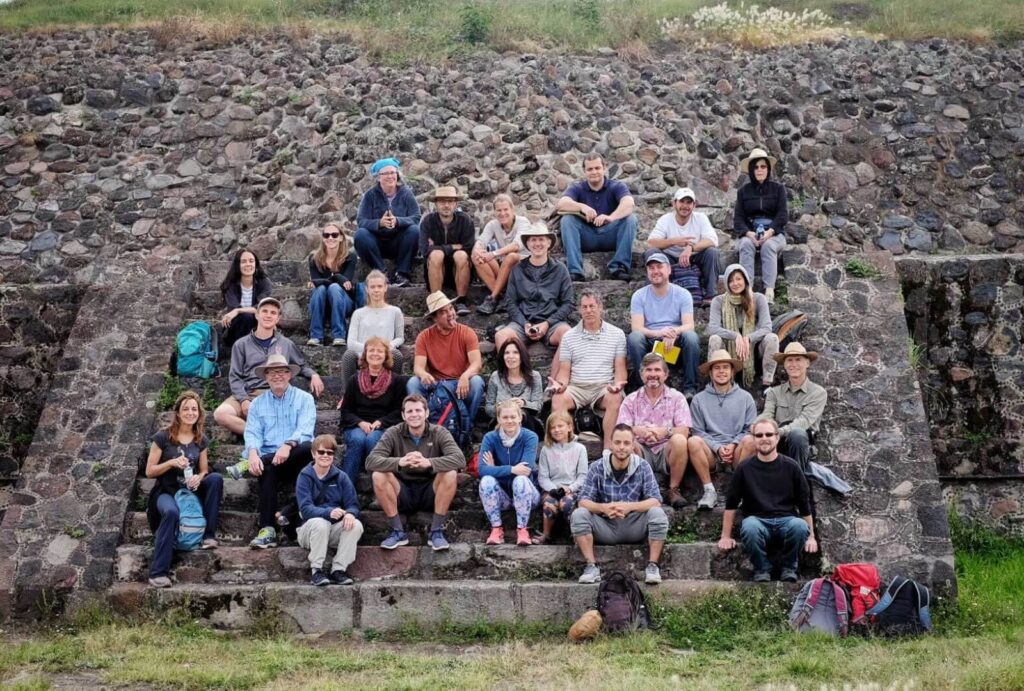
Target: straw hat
[
  {"x": 275, "y": 360},
  {"x": 537, "y": 230},
  {"x": 795, "y": 349},
  {"x": 586, "y": 627},
  {"x": 720, "y": 356},
  {"x": 753, "y": 156},
  {"x": 436, "y": 301},
  {"x": 447, "y": 192}
]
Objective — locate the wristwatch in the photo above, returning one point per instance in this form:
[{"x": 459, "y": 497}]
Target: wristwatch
[{"x": 292, "y": 443}]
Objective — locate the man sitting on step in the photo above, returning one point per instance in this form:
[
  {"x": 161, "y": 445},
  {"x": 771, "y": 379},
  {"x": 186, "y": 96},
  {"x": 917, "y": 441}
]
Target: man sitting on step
[
  {"x": 773, "y": 494},
  {"x": 447, "y": 236},
  {"x": 620, "y": 503},
  {"x": 278, "y": 433},
  {"x": 247, "y": 355},
  {"x": 415, "y": 467},
  {"x": 687, "y": 237},
  {"x": 797, "y": 404}
]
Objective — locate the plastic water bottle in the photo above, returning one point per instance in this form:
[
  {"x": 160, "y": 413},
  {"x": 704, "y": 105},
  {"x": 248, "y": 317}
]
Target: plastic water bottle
[
  {"x": 759, "y": 231},
  {"x": 187, "y": 471}
]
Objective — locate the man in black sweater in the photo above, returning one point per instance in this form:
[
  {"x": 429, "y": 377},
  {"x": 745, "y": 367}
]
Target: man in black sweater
[
  {"x": 773, "y": 493},
  {"x": 446, "y": 239}
]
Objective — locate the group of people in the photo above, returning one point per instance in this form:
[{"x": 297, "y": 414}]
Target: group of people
[{"x": 528, "y": 461}]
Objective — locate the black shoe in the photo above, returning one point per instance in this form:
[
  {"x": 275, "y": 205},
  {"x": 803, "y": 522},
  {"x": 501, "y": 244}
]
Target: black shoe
[
  {"x": 461, "y": 308},
  {"x": 577, "y": 277},
  {"x": 788, "y": 576},
  {"x": 619, "y": 274},
  {"x": 319, "y": 577},
  {"x": 401, "y": 281},
  {"x": 341, "y": 577},
  {"x": 488, "y": 306}
]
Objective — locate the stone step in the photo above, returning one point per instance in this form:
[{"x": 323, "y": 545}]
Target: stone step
[{"x": 389, "y": 605}]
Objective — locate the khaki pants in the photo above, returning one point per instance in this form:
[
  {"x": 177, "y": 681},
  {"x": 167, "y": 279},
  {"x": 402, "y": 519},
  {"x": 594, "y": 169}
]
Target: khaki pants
[{"x": 317, "y": 534}]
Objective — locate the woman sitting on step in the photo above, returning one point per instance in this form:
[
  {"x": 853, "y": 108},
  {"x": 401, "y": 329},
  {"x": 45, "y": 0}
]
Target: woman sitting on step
[
  {"x": 760, "y": 219},
  {"x": 377, "y": 318},
  {"x": 508, "y": 460},
  {"x": 515, "y": 379},
  {"x": 177, "y": 459},
  {"x": 332, "y": 277},
  {"x": 242, "y": 289},
  {"x": 563, "y": 467},
  {"x": 740, "y": 323},
  {"x": 372, "y": 403}
]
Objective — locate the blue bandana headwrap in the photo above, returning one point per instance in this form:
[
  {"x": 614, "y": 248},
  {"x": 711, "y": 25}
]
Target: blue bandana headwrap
[{"x": 383, "y": 163}]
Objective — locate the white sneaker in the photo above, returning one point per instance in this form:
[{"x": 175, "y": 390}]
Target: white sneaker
[
  {"x": 313, "y": 342},
  {"x": 769, "y": 294},
  {"x": 707, "y": 500}
]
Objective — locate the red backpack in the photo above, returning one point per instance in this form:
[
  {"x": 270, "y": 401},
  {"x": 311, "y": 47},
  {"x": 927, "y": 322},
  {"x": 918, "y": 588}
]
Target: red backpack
[{"x": 862, "y": 582}]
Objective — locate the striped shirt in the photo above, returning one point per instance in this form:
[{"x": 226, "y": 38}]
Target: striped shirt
[
  {"x": 591, "y": 356},
  {"x": 246, "y": 297}
]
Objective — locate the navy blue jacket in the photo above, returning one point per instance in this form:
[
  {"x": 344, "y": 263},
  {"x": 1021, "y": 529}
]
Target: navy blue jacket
[
  {"x": 374, "y": 203},
  {"x": 766, "y": 200},
  {"x": 317, "y": 498}
]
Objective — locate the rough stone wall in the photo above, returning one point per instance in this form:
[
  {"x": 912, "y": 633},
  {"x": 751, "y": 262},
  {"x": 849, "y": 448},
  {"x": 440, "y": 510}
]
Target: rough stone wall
[
  {"x": 875, "y": 432},
  {"x": 67, "y": 510},
  {"x": 34, "y": 323}
]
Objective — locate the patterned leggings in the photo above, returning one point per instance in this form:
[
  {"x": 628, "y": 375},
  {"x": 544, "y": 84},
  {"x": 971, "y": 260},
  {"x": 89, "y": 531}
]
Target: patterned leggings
[
  {"x": 525, "y": 498},
  {"x": 553, "y": 507}
]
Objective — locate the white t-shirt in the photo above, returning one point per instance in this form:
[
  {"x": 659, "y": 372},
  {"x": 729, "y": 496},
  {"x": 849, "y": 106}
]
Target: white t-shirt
[{"x": 697, "y": 228}]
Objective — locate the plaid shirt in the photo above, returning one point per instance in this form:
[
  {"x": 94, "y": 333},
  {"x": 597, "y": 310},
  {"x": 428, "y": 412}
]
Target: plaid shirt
[{"x": 638, "y": 485}]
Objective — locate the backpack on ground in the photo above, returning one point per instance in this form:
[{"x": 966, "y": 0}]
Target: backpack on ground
[
  {"x": 197, "y": 351},
  {"x": 903, "y": 609},
  {"x": 789, "y": 327},
  {"x": 447, "y": 410},
  {"x": 861, "y": 582},
  {"x": 191, "y": 521},
  {"x": 621, "y": 604},
  {"x": 821, "y": 605}
]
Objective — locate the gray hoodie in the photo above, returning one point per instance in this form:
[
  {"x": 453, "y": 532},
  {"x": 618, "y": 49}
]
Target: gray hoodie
[
  {"x": 247, "y": 355},
  {"x": 721, "y": 419},
  {"x": 762, "y": 317}
]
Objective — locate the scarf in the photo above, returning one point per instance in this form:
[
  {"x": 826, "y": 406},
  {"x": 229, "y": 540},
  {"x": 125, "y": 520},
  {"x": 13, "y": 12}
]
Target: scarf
[
  {"x": 730, "y": 320},
  {"x": 374, "y": 388},
  {"x": 506, "y": 440}
]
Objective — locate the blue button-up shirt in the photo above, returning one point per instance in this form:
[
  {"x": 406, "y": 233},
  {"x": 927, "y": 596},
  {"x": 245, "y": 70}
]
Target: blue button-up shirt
[{"x": 274, "y": 420}]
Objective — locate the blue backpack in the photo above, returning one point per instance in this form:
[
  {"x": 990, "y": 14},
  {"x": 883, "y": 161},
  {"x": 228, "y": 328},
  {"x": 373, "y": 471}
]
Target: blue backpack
[
  {"x": 903, "y": 609},
  {"x": 191, "y": 522},
  {"x": 197, "y": 351},
  {"x": 446, "y": 409}
]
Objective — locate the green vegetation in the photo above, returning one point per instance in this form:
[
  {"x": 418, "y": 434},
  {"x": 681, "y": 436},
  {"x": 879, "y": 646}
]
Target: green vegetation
[
  {"x": 977, "y": 437},
  {"x": 404, "y": 30},
  {"x": 172, "y": 388},
  {"x": 916, "y": 352},
  {"x": 858, "y": 268}
]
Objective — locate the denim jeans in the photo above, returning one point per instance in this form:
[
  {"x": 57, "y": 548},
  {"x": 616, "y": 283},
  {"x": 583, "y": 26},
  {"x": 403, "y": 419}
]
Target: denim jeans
[
  {"x": 638, "y": 345},
  {"x": 473, "y": 400},
  {"x": 578, "y": 236},
  {"x": 341, "y": 307},
  {"x": 358, "y": 445},
  {"x": 757, "y": 534},
  {"x": 210, "y": 491},
  {"x": 372, "y": 247}
]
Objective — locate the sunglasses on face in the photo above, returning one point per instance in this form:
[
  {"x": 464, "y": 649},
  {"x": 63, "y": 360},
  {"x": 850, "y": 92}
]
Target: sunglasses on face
[
  {"x": 763, "y": 435},
  {"x": 760, "y": 166},
  {"x": 331, "y": 235},
  {"x": 324, "y": 452}
]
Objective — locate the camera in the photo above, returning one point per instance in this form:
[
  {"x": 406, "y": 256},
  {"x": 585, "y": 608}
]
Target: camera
[{"x": 557, "y": 493}]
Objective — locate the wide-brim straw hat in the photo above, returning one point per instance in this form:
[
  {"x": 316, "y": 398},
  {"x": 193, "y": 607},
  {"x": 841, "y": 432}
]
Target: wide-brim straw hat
[
  {"x": 795, "y": 349},
  {"x": 717, "y": 356},
  {"x": 447, "y": 192},
  {"x": 435, "y": 301},
  {"x": 753, "y": 156},
  {"x": 537, "y": 231},
  {"x": 275, "y": 360}
]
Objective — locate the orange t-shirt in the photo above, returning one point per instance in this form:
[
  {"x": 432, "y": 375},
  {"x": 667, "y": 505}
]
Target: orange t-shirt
[{"x": 447, "y": 355}]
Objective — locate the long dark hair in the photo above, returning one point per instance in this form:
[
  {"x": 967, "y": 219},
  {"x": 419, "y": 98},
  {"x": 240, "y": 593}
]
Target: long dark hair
[
  {"x": 524, "y": 362},
  {"x": 750, "y": 169},
  {"x": 234, "y": 276}
]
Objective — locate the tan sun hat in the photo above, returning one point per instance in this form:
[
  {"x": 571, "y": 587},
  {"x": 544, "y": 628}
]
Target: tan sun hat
[
  {"x": 586, "y": 627},
  {"x": 537, "y": 230},
  {"x": 447, "y": 192},
  {"x": 275, "y": 360},
  {"x": 436, "y": 301},
  {"x": 795, "y": 349},
  {"x": 753, "y": 156},
  {"x": 717, "y": 356}
]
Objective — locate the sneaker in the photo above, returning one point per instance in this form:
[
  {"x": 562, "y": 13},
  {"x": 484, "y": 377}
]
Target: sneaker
[
  {"x": 209, "y": 543},
  {"x": 788, "y": 576},
  {"x": 675, "y": 498},
  {"x": 267, "y": 537},
  {"x": 762, "y": 577},
  {"x": 338, "y": 342},
  {"x": 341, "y": 577},
  {"x": 769, "y": 295},
  {"x": 319, "y": 578},
  {"x": 591, "y": 574},
  {"x": 396, "y": 538},
  {"x": 160, "y": 582},
  {"x": 523, "y": 538},
  {"x": 313, "y": 342},
  {"x": 238, "y": 470},
  {"x": 707, "y": 500},
  {"x": 401, "y": 281},
  {"x": 437, "y": 540},
  {"x": 461, "y": 308},
  {"x": 488, "y": 306},
  {"x": 652, "y": 574},
  {"x": 497, "y": 537},
  {"x": 619, "y": 274},
  {"x": 577, "y": 277}
]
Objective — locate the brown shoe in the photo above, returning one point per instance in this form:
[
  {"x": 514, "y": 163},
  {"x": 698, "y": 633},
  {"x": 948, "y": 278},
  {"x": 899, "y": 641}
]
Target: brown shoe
[{"x": 675, "y": 498}]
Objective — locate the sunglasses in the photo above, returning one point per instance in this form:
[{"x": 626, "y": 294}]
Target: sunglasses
[
  {"x": 762, "y": 435},
  {"x": 324, "y": 452},
  {"x": 331, "y": 235},
  {"x": 760, "y": 166}
]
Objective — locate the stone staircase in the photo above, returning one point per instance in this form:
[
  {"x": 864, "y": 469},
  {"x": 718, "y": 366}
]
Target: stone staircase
[{"x": 233, "y": 584}]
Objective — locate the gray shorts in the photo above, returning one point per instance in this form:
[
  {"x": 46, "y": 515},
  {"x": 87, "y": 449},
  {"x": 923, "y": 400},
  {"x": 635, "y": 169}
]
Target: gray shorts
[
  {"x": 633, "y": 529},
  {"x": 521, "y": 332},
  {"x": 658, "y": 459}
]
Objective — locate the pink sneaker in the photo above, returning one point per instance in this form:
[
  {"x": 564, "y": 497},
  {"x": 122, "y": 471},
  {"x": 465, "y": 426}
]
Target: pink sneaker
[
  {"x": 523, "y": 537},
  {"x": 497, "y": 536}
]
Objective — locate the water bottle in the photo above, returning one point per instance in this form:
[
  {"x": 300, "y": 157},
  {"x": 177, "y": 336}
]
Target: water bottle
[
  {"x": 759, "y": 231},
  {"x": 187, "y": 471}
]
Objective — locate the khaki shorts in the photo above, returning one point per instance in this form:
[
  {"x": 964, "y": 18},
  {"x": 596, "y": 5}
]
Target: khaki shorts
[
  {"x": 658, "y": 459},
  {"x": 521, "y": 332},
  {"x": 586, "y": 394},
  {"x": 237, "y": 406}
]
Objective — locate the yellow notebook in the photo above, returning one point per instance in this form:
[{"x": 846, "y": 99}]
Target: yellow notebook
[{"x": 671, "y": 356}]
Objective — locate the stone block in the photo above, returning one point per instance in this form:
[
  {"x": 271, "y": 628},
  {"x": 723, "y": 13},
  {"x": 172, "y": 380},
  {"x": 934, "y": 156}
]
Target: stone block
[
  {"x": 312, "y": 610},
  {"x": 394, "y": 604}
]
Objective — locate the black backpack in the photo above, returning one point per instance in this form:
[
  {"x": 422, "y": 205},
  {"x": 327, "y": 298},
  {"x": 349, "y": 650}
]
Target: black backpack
[
  {"x": 621, "y": 604},
  {"x": 586, "y": 419},
  {"x": 903, "y": 609}
]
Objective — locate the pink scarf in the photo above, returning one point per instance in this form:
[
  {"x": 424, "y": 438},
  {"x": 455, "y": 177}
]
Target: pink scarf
[{"x": 374, "y": 388}]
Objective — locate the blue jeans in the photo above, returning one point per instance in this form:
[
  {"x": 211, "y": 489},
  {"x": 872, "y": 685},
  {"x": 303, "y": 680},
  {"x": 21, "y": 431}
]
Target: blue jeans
[
  {"x": 473, "y": 401},
  {"x": 756, "y": 534},
  {"x": 341, "y": 307},
  {"x": 210, "y": 491},
  {"x": 400, "y": 245},
  {"x": 358, "y": 445},
  {"x": 578, "y": 236},
  {"x": 638, "y": 345}
]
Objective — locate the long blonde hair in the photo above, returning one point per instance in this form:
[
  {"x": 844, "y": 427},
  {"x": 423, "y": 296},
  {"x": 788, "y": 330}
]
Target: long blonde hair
[
  {"x": 558, "y": 416},
  {"x": 320, "y": 256}
]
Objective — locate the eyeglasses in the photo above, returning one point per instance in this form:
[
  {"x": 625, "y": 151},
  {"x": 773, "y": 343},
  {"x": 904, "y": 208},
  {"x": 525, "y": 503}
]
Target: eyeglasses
[
  {"x": 331, "y": 235},
  {"x": 278, "y": 372},
  {"x": 760, "y": 166},
  {"x": 762, "y": 435},
  {"x": 389, "y": 174},
  {"x": 324, "y": 452}
]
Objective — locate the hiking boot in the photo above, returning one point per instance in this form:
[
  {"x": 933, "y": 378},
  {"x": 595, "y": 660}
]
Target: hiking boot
[
  {"x": 591, "y": 574},
  {"x": 438, "y": 542},
  {"x": 497, "y": 537},
  {"x": 396, "y": 538},
  {"x": 338, "y": 342},
  {"x": 209, "y": 543},
  {"x": 401, "y": 281},
  {"x": 160, "y": 582},
  {"x": 577, "y": 277},
  {"x": 652, "y": 574},
  {"x": 267, "y": 537},
  {"x": 523, "y": 538},
  {"x": 341, "y": 577},
  {"x": 675, "y": 498},
  {"x": 319, "y": 577},
  {"x": 488, "y": 306},
  {"x": 762, "y": 577},
  {"x": 788, "y": 576},
  {"x": 619, "y": 274},
  {"x": 461, "y": 308},
  {"x": 238, "y": 470},
  {"x": 313, "y": 341},
  {"x": 707, "y": 500}
]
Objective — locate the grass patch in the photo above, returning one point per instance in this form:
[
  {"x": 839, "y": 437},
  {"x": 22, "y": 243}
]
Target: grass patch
[
  {"x": 172, "y": 388},
  {"x": 858, "y": 268},
  {"x": 916, "y": 352}
]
